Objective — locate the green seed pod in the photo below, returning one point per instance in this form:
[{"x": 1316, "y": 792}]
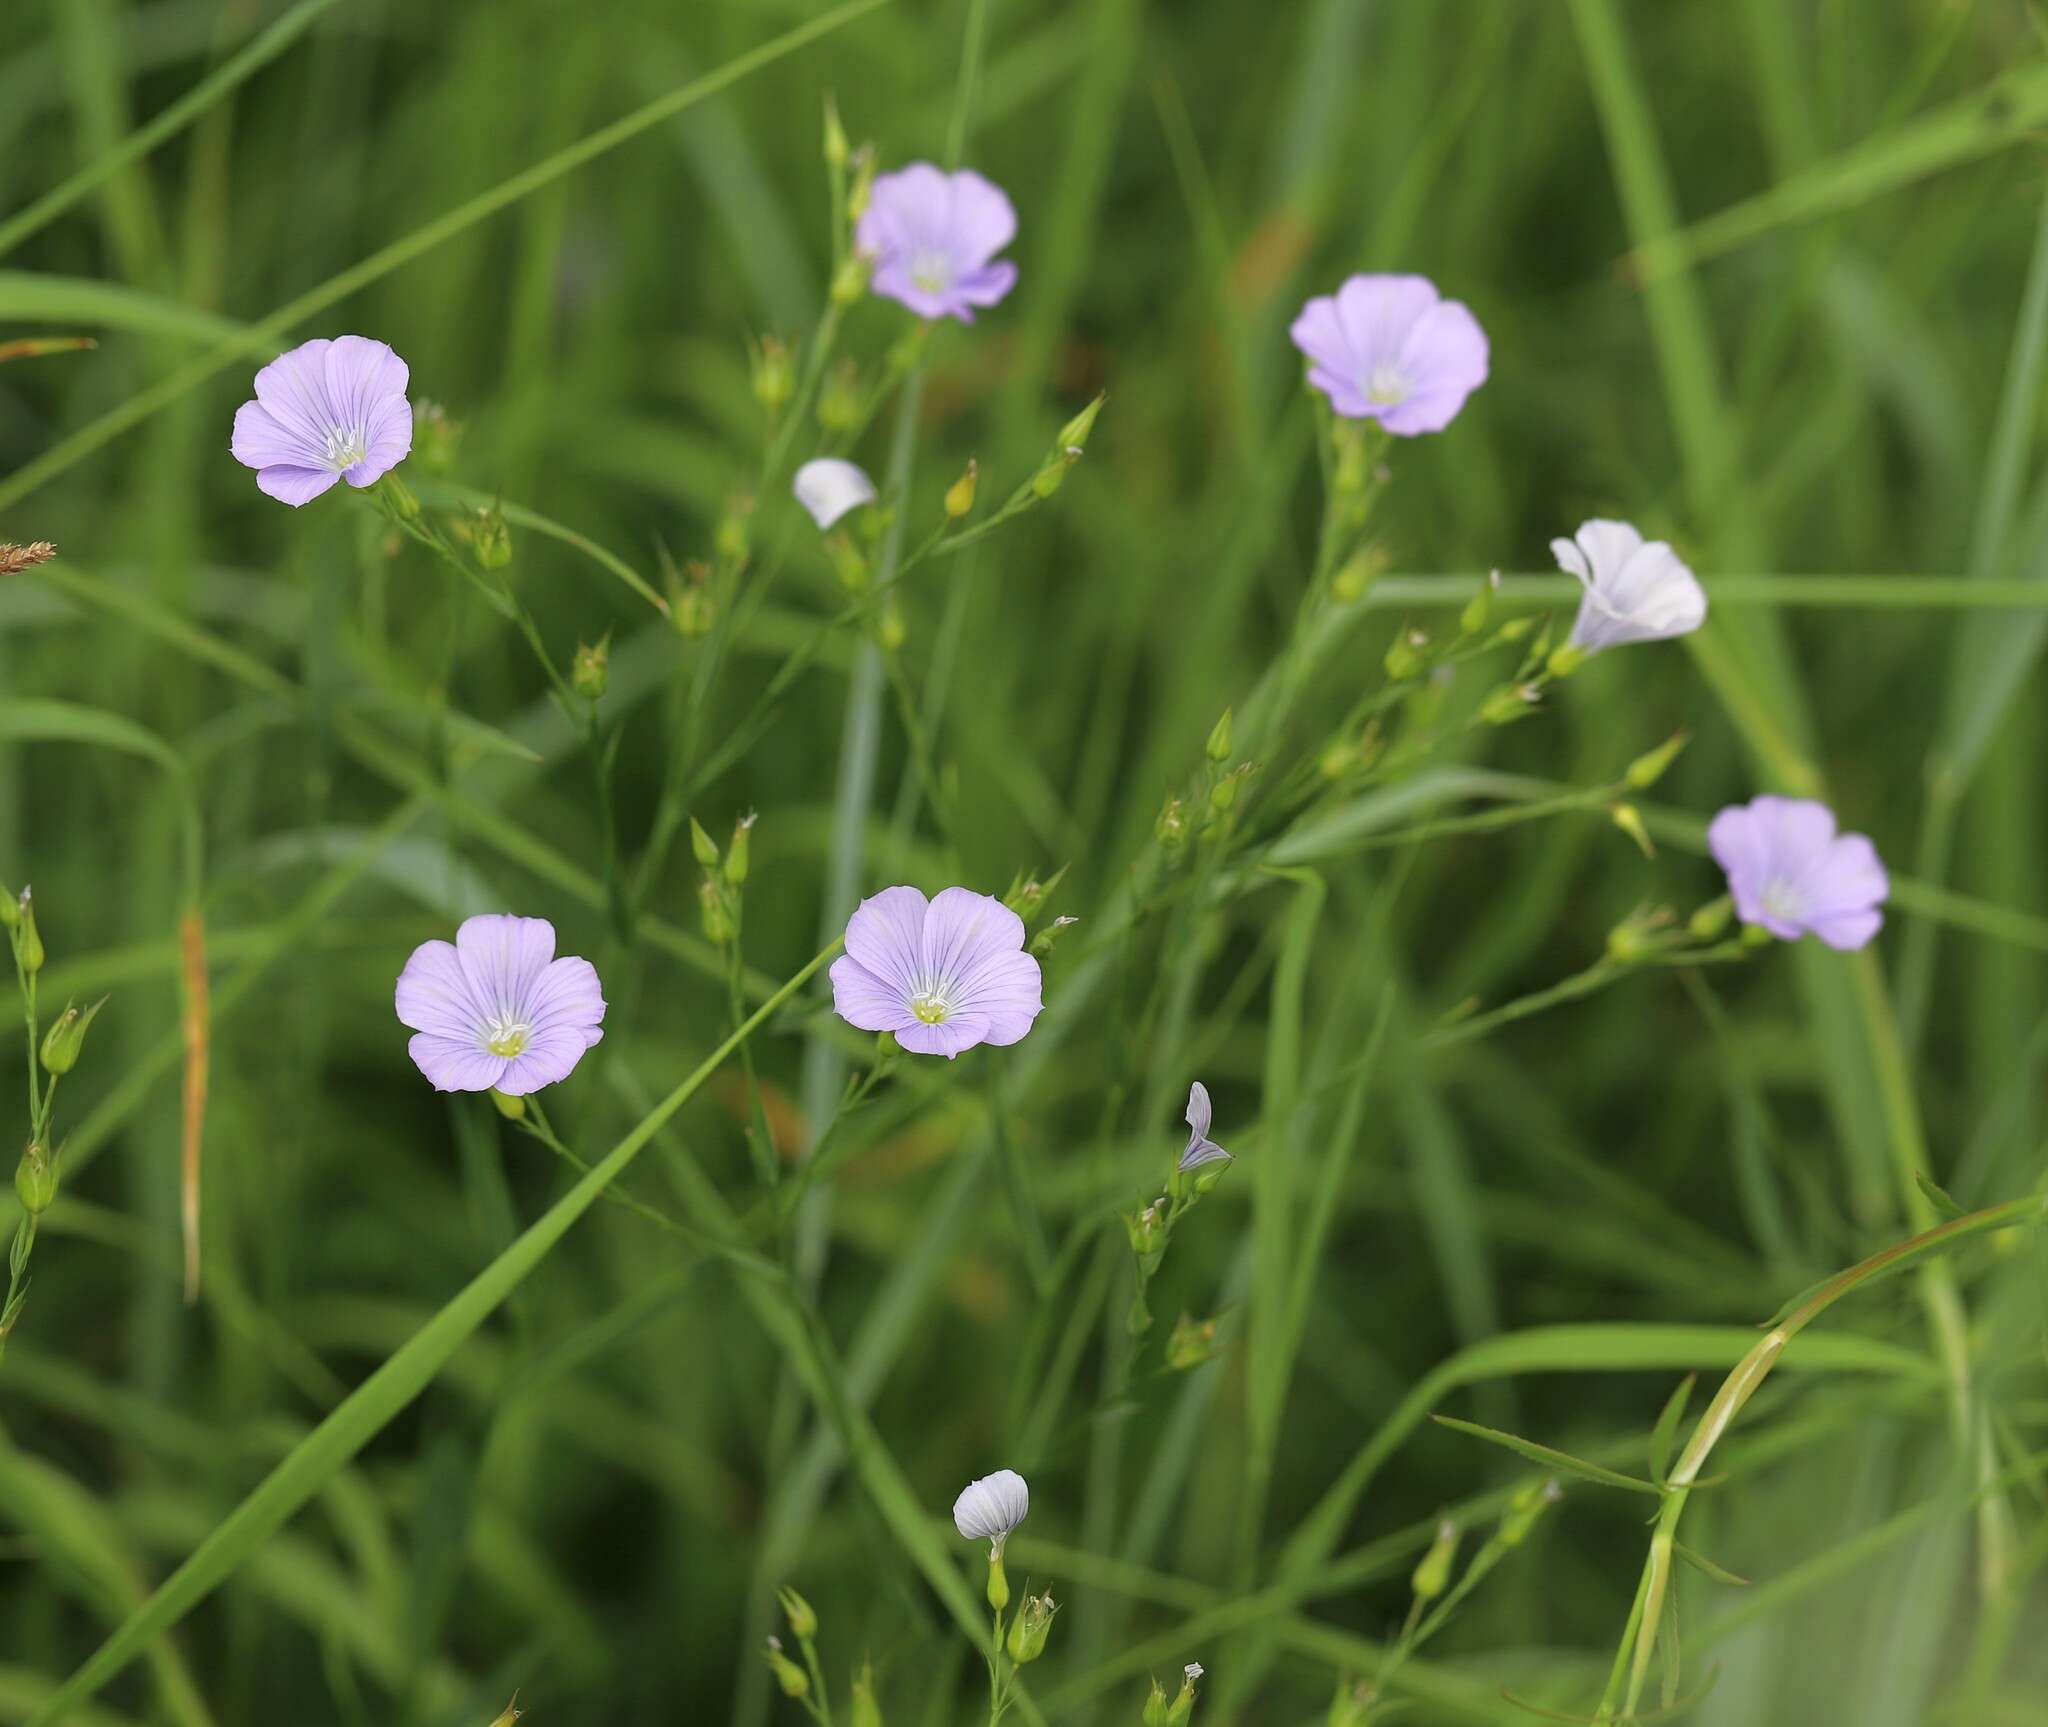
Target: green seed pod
[
  {"x": 35, "y": 1180},
  {"x": 736, "y": 857},
  {"x": 1073, "y": 438},
  {"x": 1155, "y": 1706},
  {"x": 1029, "y": 1629},
  {"x": 998, "y": 1582},
  {"x": 66, "y": 1037},
  {"x": 1433, "y": 1575},
  {"x": 491, "y": 538},
  {"x": 28, "y": 940},
  {"x": 510, "y": 1107},
  {"x": 795, "y": 1682}
]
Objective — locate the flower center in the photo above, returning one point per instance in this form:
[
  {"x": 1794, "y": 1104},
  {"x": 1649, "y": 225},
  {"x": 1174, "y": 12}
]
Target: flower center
[
  {"x": 346, "y": 446},
  {"x": 1784, "y": 901},
  {"x": 506, "y": 1036},
  {"x": 1386, "y": 387},
  {"x": 931, "y": 1006},
  {"x": 931, "y": 271}
]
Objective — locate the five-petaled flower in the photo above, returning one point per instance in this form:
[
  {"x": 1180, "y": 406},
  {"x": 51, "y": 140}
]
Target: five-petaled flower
[
  {"x": 1636, "y": 590},
  {"x": 933, "y": 240},
  {"x": 990, "y": 1507},
  {"x": 943, "y": 975},
  {"x": 1391, "y": 349},
  {"x": 326, "y": 411},
  {"x": 497, "y": 1011},
  {"x": 1201, "y": 1148},
  {"x": 1794, "y": 875},
  {"x": 829, "y": 487}
]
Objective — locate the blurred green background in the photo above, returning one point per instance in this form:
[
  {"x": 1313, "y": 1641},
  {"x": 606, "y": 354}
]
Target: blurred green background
[{"x": 594, "y": 1500}]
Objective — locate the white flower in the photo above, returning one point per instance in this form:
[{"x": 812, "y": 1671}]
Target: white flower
[
  {"x": 988, "y": 1509},
  {"x": 1636, "y": 590},
  {"x": 828, "y": 488}
]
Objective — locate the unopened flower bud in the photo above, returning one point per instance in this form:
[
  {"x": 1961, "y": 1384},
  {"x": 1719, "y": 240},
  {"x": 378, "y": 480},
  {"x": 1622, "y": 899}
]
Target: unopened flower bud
[
  {"x": 1479, "y": 608},
  {"x": 1404, "y": 655},
  {"x": 1711, "y": 919},
  {"x": 1073, "y": 438},
  {"x": 690, "y": 605},
  {"x": 436, "y": 439},
  {"x": 850, "y": 280},
  {"x": 1191, "y": 1344},
  {"x": 795, "y": 1682},
  {"x": 736, "y": 855},
  {"x": 510, "y": 1107},
  {"x": 803, "y": 1621},
  {"x": 774, "y": 373},
  {"x": 1647, "y": 769},
  {"x": 511, "y": 1713},
  {"x": 717, "y": 917},
  {"x": 590, "y": 672},
  {"x": 1433, "y": 1575},
  {"x": 836, "y": 147},
  {"x": 1155, "y": 1706},
  {"x": 491, "y": 538},
  {"x": 1527, "y": 1506},
  {"x": 1564, "y": 660},
  {"x": 1509, "y": 703},
  {"x": 863, "y": 161},
  {"x": 1052, "y": 473},
  {"x": 66, "y": 1037},
  {"x": 863, "y": 1710},
  {"x": 1223, "y": 794},
  {"x": 1219, "y": 739},
  {"x": 1630, "y": 820},
  {"x": 35, "y": 1180},
  {"x": 1354, "y": 457},
  {"x": 1043, "y": 942},
  {"x": 702, "y": 846},
  {"x": 1029, "y": 1629},
  {"x": 1143, "y": 1228},
  {"x": 960, "y": 494},
  {"x": 998, "y": 1581},
  {"x": 1206, "y": 1182},
  {"x": 28, "y": 940}
]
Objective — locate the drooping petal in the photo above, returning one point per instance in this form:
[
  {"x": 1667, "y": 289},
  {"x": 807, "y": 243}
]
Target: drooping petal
[
  {"x": 433, "y": 993},
  {"x": 886, "y": 934},
  {"x": 989, "y": 1507},
  {"x": 503, "y": 957},
  {"x": 455, "y": 1064},
  {"x": 828, "y": 488}
]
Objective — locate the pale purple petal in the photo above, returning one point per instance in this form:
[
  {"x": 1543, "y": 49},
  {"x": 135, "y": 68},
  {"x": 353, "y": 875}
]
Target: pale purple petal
[
  {"x": 326, "y": 410},
  {"x": 981, "y": 220},
  {"x": 1199, "y": 1114},
  {"x": 961, "y": 929},
  {"x": 456, "y": 1064},
  {"x": 546, "y": 1060},
  {"x": 433, "y": 993},
  {"x": 865, "y": 1001},
  {"x": 950, "y": 1037},
  {"x": 932, "y": 238},
  {"x": 1389, "y": 348},
  {"x": 1791, "y": 873},
  {"x": 990, "y": 1507},
  {"x": 261, "y": 440},
  {"x": 567, "y": 996},
  {"x": 1634, "y": 590},
  {"x": 503, "y": 957},
  {"x": 885, "y": 934},
  {"x": 1006, "y": 990},
  {"x": 295, "y": 486},
  {"x": 828, "y": 488}
]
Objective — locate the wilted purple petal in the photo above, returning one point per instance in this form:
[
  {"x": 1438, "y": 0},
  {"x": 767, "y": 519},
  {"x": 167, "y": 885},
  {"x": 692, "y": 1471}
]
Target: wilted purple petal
[
  {"x": 1389, "y": 348},
  {"x": 1790, "y": 872},
  {"x": 1201, "y": 1148}
]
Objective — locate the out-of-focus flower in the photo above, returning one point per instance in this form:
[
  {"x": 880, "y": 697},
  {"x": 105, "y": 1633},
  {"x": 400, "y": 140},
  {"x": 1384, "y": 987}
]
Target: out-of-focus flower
[
  {"x": 1201, "y": 1148},
  {"x": 1636, "y": 590},
  {"x": 1391, "y": 349},
  {"x": 829, "y": 488},
  {"x": 933, "y": 239},
  {"x": 990, "y": 1506},
  {"x": 326, "y": 411},
  {"x": 943, "y": 975},
  {"x": 1794, "y": 875},
  {"x": 496, "y": 1011}
]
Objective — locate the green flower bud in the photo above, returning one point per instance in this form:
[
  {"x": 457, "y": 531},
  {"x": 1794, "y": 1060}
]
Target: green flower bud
[
  {"x": 1029, "y": 1629},
  {"x": 1433, "y": 1576},
  {"x": 491, "y": 538},
  {"x": 28, "y": 940},
  {"x": 1479, "y": 608},
  {"x": 510, "y": 1107},
  {"x": 736, "y": 858},
  {"x": 66, "y": 1037},
  {"x": 1043, "y": 942},
  {"x": 803, "y": 1621},
  {"x": 890, "y": 629},
  {"x": 693, "y": 611},
  {"x": 1565, "y": 659},
  {"x": 795, "y": 1682},
  {"x": 998, "y": 1582},
  {"x": 735, "y": 529},
  {"x": 960, "y": 494},
  {"x": 1357, "y": 575},
  {"x": 717, "y": 916},
  {"x": 400, "y": 497},
  {"x": 836, "y": 147},
  {"x": 702, "y": 846},
  {"x": 1509, "y": 703},
  {"x": 1404, "y": 655},
  {"x": 1219, "y": 739},
  {"x": 512, "y": 1712},
  {"x": 1171, "y": 829},
  {"x": 849, "y": 564},
  {"x": 863, "y": 1710},
  {"x": 1155, "y": 1706},
  {"x": 1630, "y": 820},
  {"x": 1352, "y": 1706},
  {"x": 1711, "y": 919},
  {"x": 590, "y": 672},
  {"x": 1647, "y": 769},
  {"x": 773, "y": 372},
  {"x": 1527, "y": 1506},
  {"x": 863, "y": 161},
  {"x": 1052, "y": 473},
  {"x": 850, "y": 280},
  {"x": 1073, "y": 438},
  {"x": 35, "y": 1180},
  {"x": 1223, "y": 794}
]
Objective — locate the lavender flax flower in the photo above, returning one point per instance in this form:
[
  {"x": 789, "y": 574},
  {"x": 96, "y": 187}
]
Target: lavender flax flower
[
  {"x": 497, "y": 1011},
  {"x": 933, "y": 239},
  {"x": 1391, "y": 349},
  {"x": 326, "y": 411},
  {"x": 990, "y": 1506},
  {"x": 1636, "y": 590},
  {"x": 942, "y": 975},
  {"x": 828, "y": 488},
  {"x": 1201, "y": 1148},
  {"x": 1794, "y": 875}
]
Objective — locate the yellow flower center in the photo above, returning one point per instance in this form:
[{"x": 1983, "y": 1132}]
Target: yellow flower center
[
  {"x": 931, "y": 1007},
  {"x": 506, "y": 1036}
]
